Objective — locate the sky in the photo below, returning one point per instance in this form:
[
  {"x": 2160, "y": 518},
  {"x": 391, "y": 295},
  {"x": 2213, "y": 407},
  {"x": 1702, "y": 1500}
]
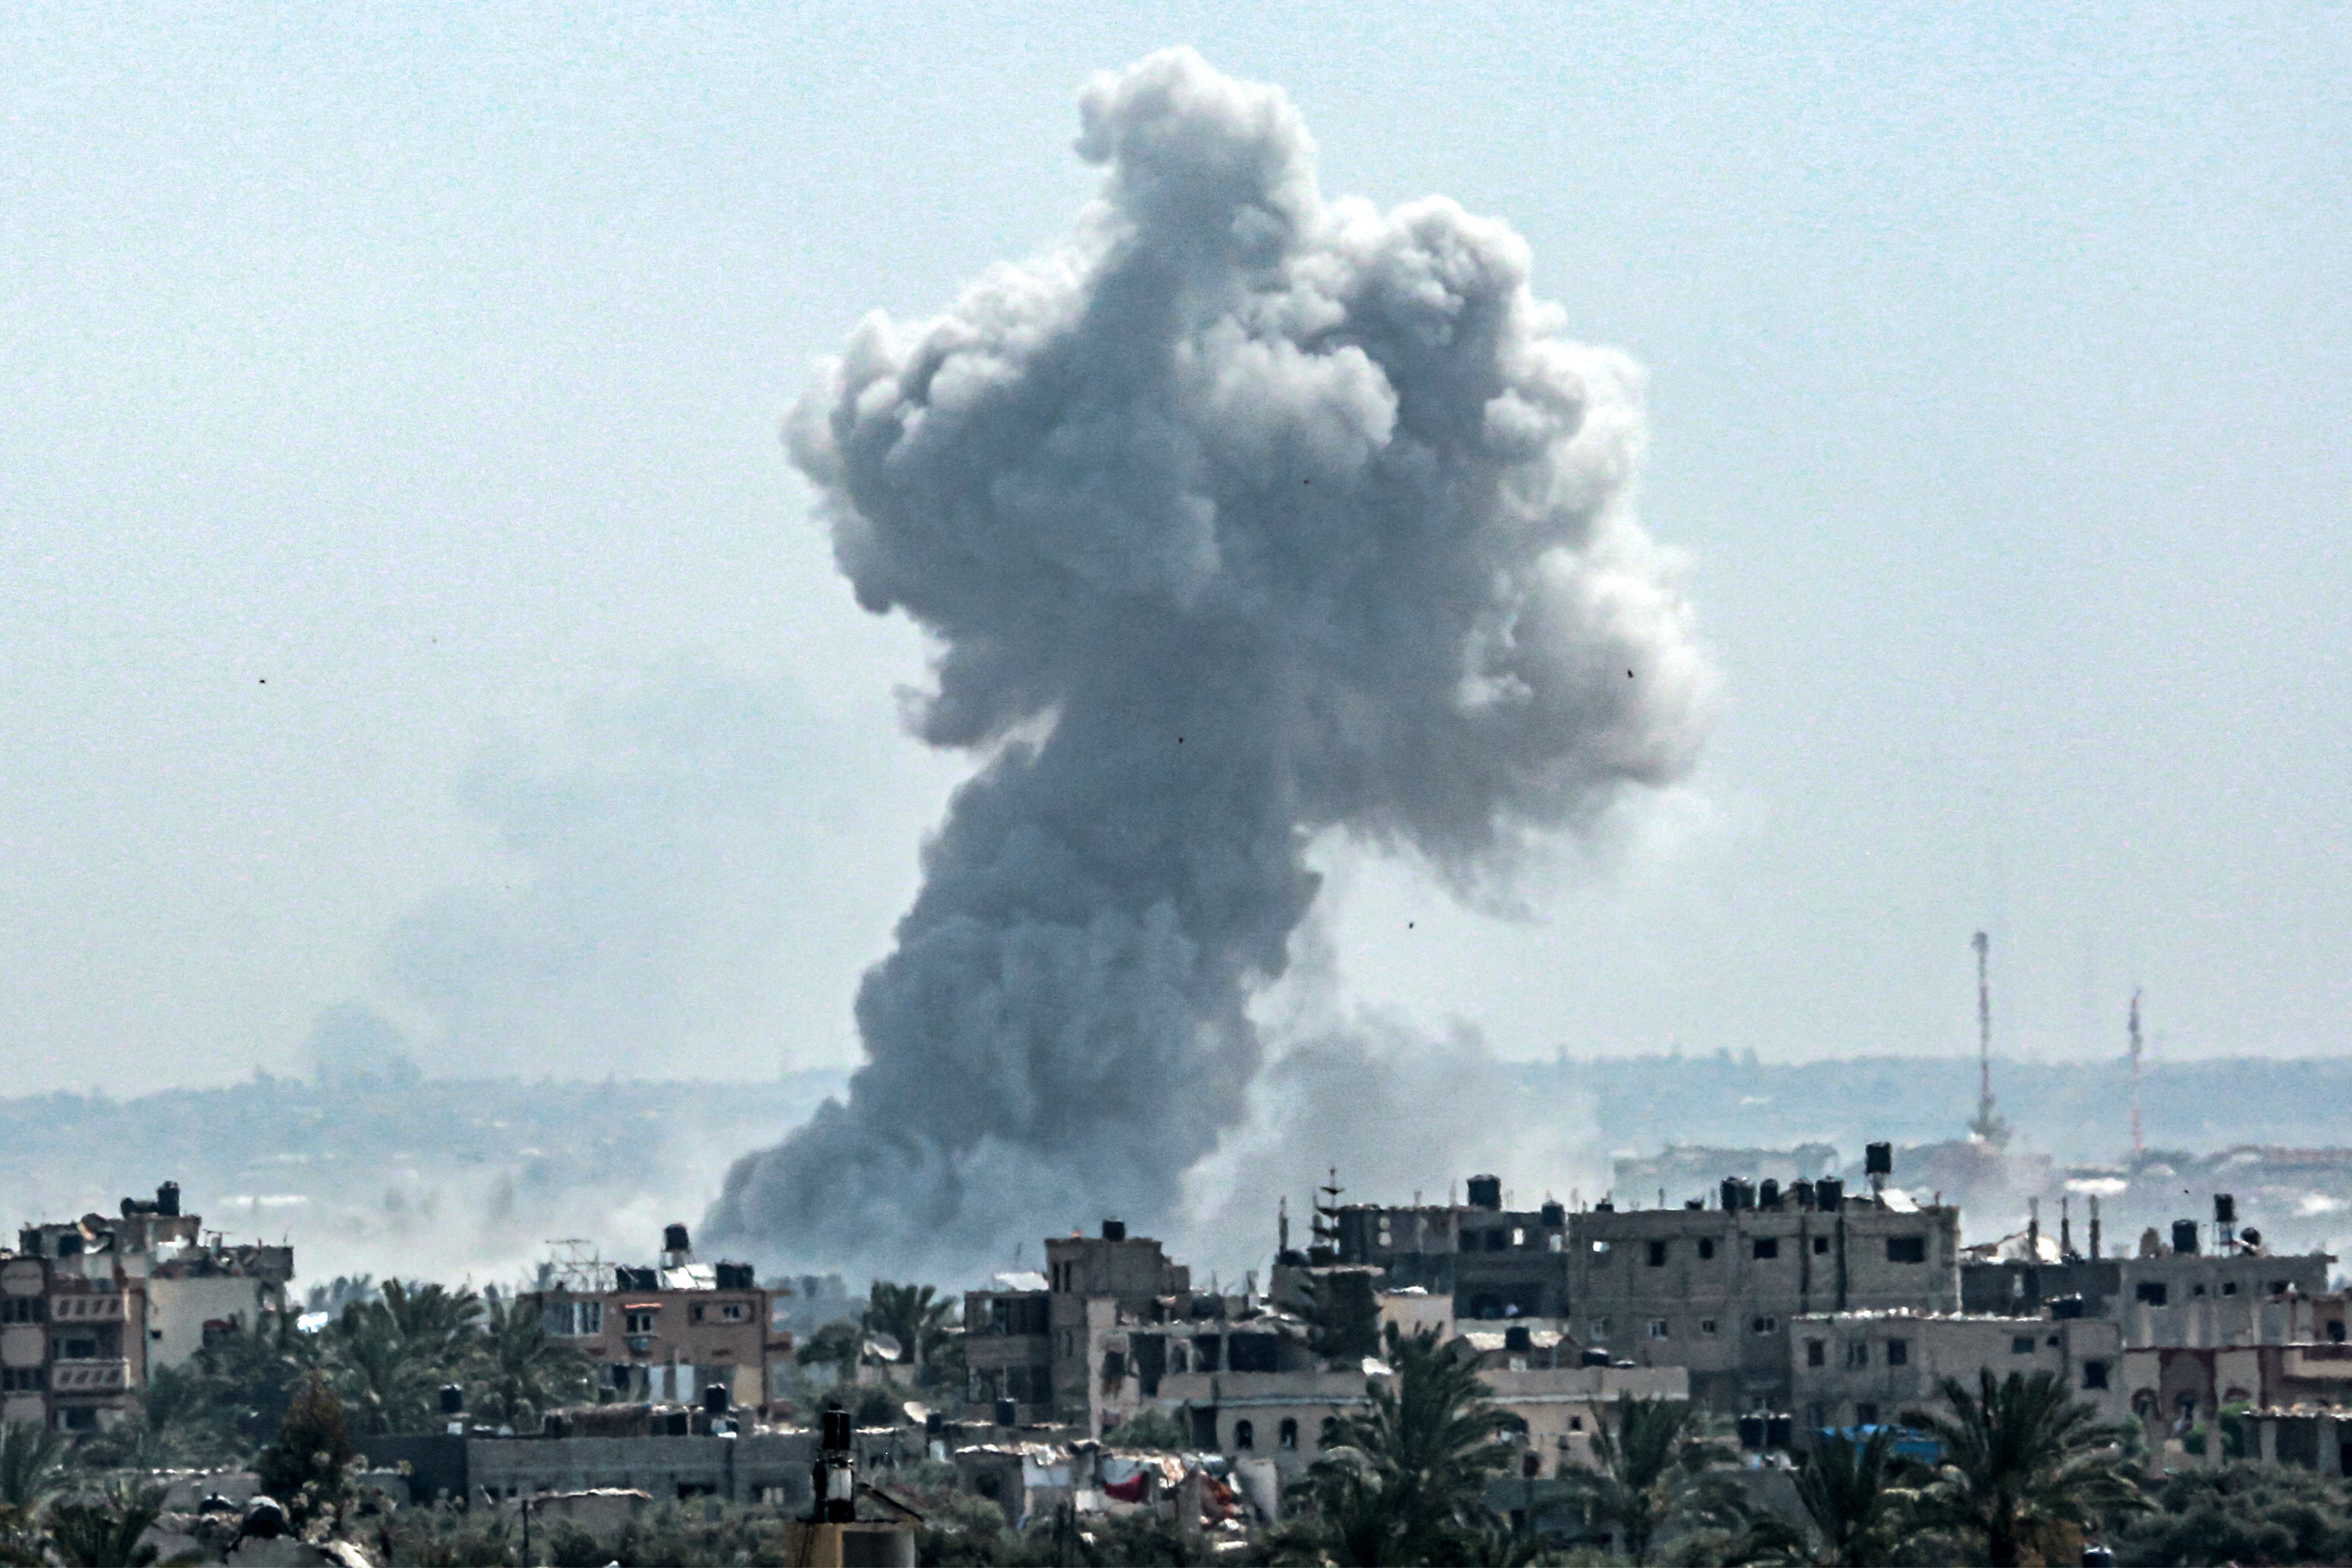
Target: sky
[{"x": 406, "y": 599}]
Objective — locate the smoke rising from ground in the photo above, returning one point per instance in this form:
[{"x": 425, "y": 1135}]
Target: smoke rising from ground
[{"x": 1240, "y": 517}]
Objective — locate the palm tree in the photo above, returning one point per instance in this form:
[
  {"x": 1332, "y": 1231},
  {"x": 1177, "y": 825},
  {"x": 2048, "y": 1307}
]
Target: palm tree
[
  {"x": 523, "y": 1370},
  {"x": 32, "y": 1465},
  {"x": 1407, "y": 1482},
  {"x": 104, "y": 1533},
  {"x": 250, "y": 1373},
  {"x": 1649, "y": 1470},
  {"x": 382, "y": 1378},
  {"x": 914, "y": 1315},
  {"x": 436, "y": 1323},
  {"x": 2022, "y": 1461},
  {"x": 1851, "y": 1492}
]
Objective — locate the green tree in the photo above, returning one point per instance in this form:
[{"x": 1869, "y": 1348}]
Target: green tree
[
  {"x": 1406, "y": 1482},
  {"x": 310, "y": 1460},
  {"x": 1854, "y": 1494},
  {"x": 914, "y": 1315},
  {"x": 836, "y": 1345},
  {"x": 2023, "y": 1463},
  {"x": 104, "y": 1532},
  {"x": 1150, "y": 1427},
  {"x": 249, "y": 1376},
  {"x": 32, "y": 1468},
  {"x": 1652, "y": 1469},
  {"x": 521, "y": 1370}
]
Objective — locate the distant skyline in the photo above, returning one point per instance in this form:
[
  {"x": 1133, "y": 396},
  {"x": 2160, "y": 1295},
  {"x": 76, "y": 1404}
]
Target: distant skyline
[{"x": 405, "y": 598}]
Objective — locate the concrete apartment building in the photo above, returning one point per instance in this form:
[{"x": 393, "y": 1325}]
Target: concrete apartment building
[
  {"x": 1494, "y": 1263},
  {"x": 1865, "y": 1369},
  {"x": 1094, "y": 1284},
  {"x": 90, "y": 1308},
  {"x": 1715, "y": 1289},
  {"x": 666, "y": 1334}
]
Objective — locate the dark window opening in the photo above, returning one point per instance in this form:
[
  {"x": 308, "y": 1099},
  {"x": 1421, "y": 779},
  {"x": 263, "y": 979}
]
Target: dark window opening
[
  {"x": 1820, "y": 1246},
  {"x": 1657, "y": 1254},
  {"x": 1898, "y": 1352},
  {"x": 1288, "y": 1433},
  {"x": 1865, "y": 1415},
  {"x": 1907, "y": 1249},
  {"x": 2094, "y": 1374},
  {"x": 1767, "y": 1247},
  {"x": 2021, "y": 1344},
  {"x": 2150, "y": 1291},
  {"x": 1816, "y": 1353},
  {"x": 1706, "y": 1246},
  {"x": 1245, "y": 1434}
]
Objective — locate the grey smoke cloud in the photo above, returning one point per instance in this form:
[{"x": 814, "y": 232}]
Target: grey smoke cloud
[{"x": 1240, "y": 517}]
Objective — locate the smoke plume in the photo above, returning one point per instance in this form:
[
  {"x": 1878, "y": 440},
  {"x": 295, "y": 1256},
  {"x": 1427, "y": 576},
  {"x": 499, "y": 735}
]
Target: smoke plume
[{"x": 1241, "y": 516}]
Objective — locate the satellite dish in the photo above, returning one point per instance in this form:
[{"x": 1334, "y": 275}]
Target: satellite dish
[{"x": 887, "y": 1346}]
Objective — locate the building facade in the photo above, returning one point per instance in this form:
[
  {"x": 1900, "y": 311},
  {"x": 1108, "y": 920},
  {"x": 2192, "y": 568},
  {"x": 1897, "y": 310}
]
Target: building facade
[
  {"x": 669, "y": 1333},
  {"x": 1865, "y": 1369}
]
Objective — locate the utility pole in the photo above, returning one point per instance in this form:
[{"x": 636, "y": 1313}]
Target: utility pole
[
  {"x": 2140, "y": 1144},
  {"x": 1987, "y": 1127}
]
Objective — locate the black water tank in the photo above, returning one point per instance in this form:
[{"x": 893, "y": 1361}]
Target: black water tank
[
  {"x": 1768, "y": 1196},
  {"x": 453, "y": 1399},
  {"x": 1517, "y": 1338},
  {"x": 1593, "y": 1358},
  {"x": 1555, "y": 1214},
  {"x": 838, "y": 1432},
  {"x": 1778, "y": 1432},
  {"x": 716, "y": 1399},
  {"x": 2184, "y": 1236},
  {"x": 554, "y": 1425},
  {"x": 1007, "y": 1413},
  {"x": 1751, "y": 1431},
  {"x": 2066, "y": 1307},
  {"x": 1800, "y": 1193},
  {"x": 674, "y": 1238},
  {"x": 2225, "y": 1209},
  {"x": 1878, "y": 1160},
  {"x": 167, "y": 1200},
  {"x": 1486, "y": 1191},
  {"x": 1829, "y": 1193},
  {"x": 1737, "y": 1194},
  {"x": 1114, "y": 1230}
]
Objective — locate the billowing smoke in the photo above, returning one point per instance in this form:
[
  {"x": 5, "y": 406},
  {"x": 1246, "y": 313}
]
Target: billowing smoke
[{"x": 1241, "y": 516}]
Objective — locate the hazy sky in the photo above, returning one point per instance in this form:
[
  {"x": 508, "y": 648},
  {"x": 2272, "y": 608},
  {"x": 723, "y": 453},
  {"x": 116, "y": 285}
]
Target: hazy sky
[{"x": 403, "y": 595}]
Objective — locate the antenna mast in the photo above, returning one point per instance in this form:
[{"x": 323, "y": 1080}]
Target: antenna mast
[
  {"x": 2139, "y": 1145},
  {"x": 1987, "y": 1127},
  {"x": 1326, "y": 1225}
]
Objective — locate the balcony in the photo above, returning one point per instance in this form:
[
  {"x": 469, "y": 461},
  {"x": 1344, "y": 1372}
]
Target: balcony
[{"x": 94, "y": 1376}]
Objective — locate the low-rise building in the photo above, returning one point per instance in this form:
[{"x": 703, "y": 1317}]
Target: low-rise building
[
  {"x": 1492, "y": 1262},
  {"x": 1714, "y": 1288},
  {"x": 1865, "y": 1369},
  {"x": 670, "y": 1331},
  {"x": 89, "y": 1307}
]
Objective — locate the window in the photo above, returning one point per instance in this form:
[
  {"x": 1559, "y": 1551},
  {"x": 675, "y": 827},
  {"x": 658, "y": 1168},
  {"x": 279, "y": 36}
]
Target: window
[
  {"x": 20, "y": 1309},
  {"x": 1706, "y": 1325},
  {"x": 1820, "y": 1246},
  {"x": 1658, "y": 1328},
  {"x": 25, "y": 1380},
  {"x": 2230, "y": 1288},
  {"x": 1287, "y": 1434},
  {"x": 1518, "y": 1236},
  {"x": 638, "y": 1321},
  {"x": 1907, "y": 1249},
  {"x": 2021, "y": 1344},
  {"x": 1328, "y": 1431},
  {"x": 1767, "y": 1247},
  {"x": 695, "y": 1313},
  {"x": 1555, "y": 1243},
  {"x": 589, "y": 1317},
  {"x": 1858, "y": 1353},
  {"x": 1600, "y": 1252},
  {"x": 732, "y": 1312},
  {"x": 1576, "y": 1422},
  {"x": 2335, "y": 1331},
  {"x": 2278, "y": 1287},
  {"x": 2150, "y": 1291},
  {"x": 1531, "y": 1465},
  {"x": 77, "y": 1348},
  {"x": 77, "y": 1418},
  {"x": 2094, "y": 1374},
  {"x": 1898, "y": 1352},
  {"x": 2197, "y": 1290},
  {"x": 1657, "y": 1254},
  {"x": 1865, "y": 1413},
  {"x": 1706, "y": 1248},
  {"x": 1600, "y": 1331},
  {"x": 1766, "y": 1325},
  {"x": 1817, "y": 1353},
  {"x": 1245, "y": 1434}
]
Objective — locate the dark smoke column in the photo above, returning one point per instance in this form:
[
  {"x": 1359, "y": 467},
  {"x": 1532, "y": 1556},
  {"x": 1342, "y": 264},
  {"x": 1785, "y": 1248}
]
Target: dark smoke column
[{"x": 1240, "y": 515}]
